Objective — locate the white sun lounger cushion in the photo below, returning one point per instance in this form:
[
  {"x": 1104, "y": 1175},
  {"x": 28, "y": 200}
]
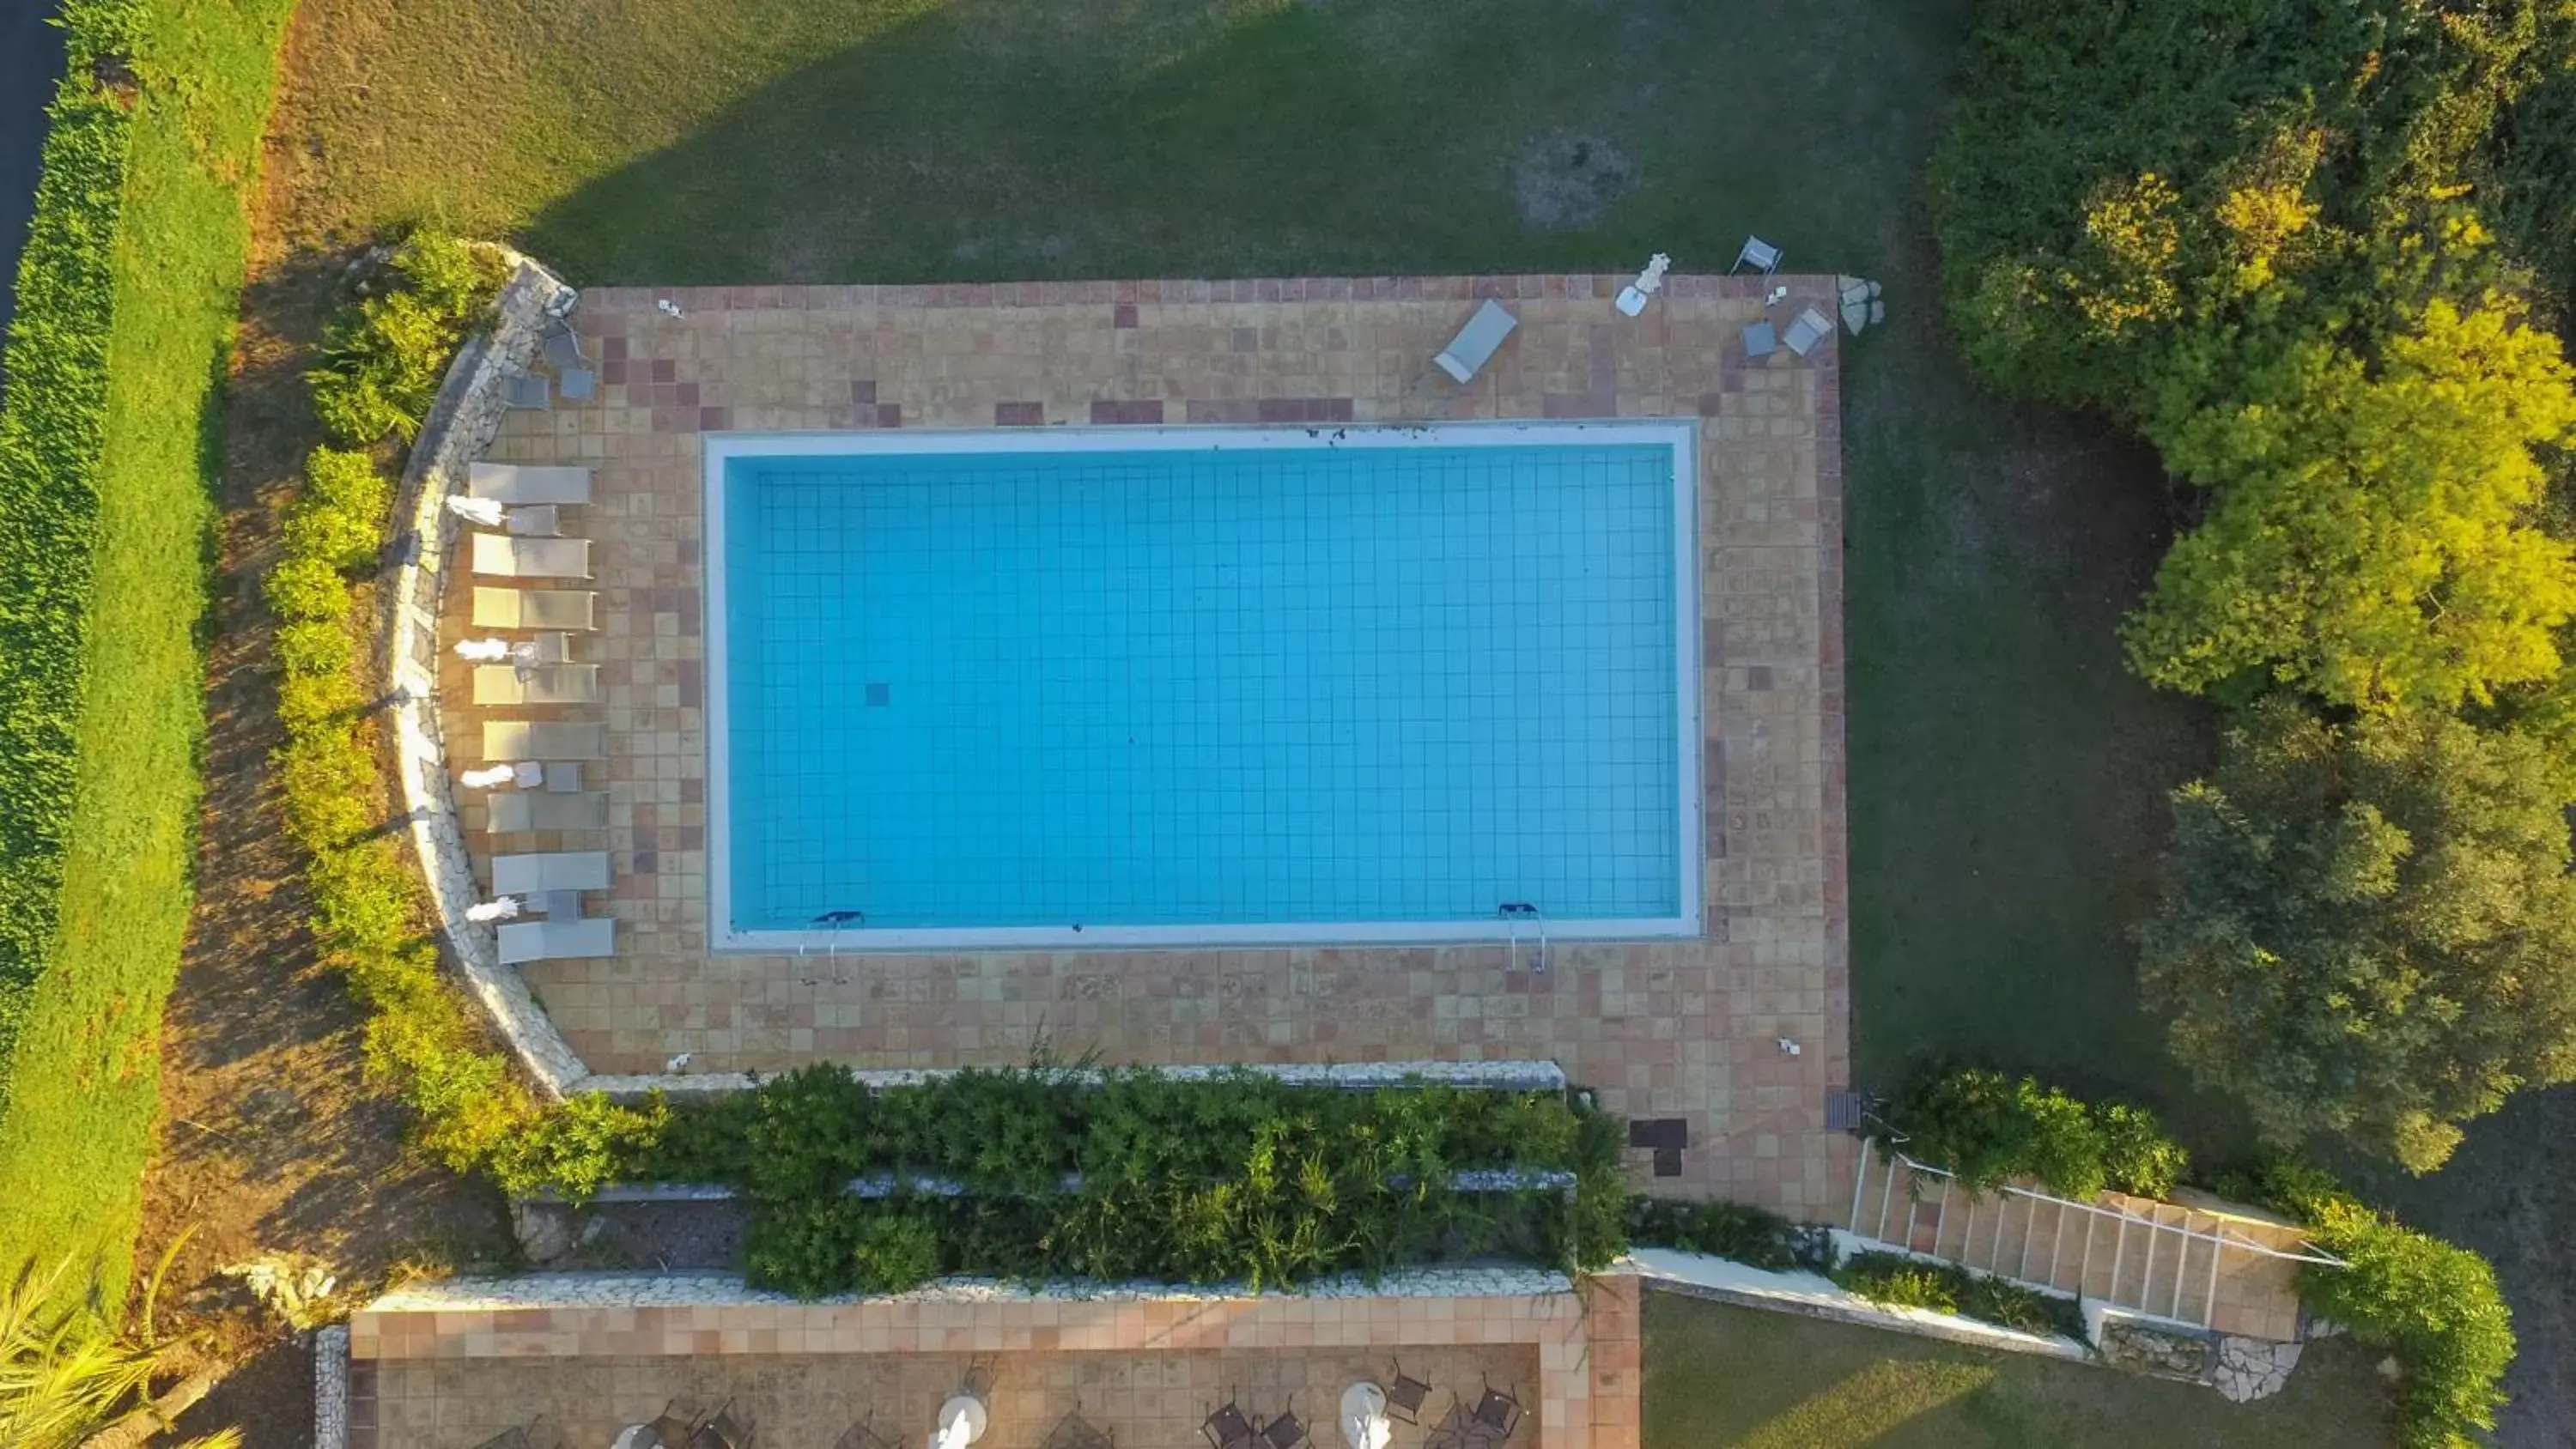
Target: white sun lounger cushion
[
  {"x": 1474, "y": 346},
  {"x": 515, "y": 810},
  {"x": 521, "y": 558},
  {"x": 516, "y": 740},
  {"x": 545, "y": 684},
  {"x": 520, "y": 483},
  {"x": 535, "y": 608},
  {"x": 553, "y": 870},
  {"x": 556, "y": 940}
]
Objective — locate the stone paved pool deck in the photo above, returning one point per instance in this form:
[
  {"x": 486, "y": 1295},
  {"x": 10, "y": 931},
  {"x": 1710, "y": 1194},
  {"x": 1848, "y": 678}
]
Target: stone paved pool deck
[{"x": 1681, "y": 1035}]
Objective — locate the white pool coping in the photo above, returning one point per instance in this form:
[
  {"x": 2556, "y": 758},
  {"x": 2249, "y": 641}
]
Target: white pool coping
[{"x": 1681, "y": 435}]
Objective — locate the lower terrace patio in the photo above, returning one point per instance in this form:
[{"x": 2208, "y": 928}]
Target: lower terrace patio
[{"x": 1688, "y": 1038}]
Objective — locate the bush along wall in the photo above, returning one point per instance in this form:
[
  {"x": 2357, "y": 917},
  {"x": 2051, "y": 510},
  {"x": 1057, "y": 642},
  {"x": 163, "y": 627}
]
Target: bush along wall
[
  {"x": 1988, "y": 1130},
  {"x": 1047, "y": 1173},
  {"x": 52, "y": 432},
  {"x": 2434, "y": 1304},
  {"x": 1899, "y": 1281},
  {"x": 368, "y": 913}
]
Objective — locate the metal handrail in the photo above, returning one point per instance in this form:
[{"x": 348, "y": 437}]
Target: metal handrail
[{"x": 2224, "y": 1238}]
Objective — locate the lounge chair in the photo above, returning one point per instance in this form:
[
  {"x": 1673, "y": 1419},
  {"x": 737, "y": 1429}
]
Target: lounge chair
[
  {"x": 523, "y": 558},
  {"x": 518, "y": 810},
  {"x": 553, "y": 870},
  {"x": 578, "y": 384},
  {"x": 529, "y": 393},
  {"x": 1761, "y": 339},
  {"x": 535, "y": 608},
  {"x": 1810, "y": 329},
  {"x": 1473, "y": 347},
  {"x": 563, "y": 346},
  {"x": 1758, "y": 254},
  {"x": 518, "y": 740},
  {"x": 542, "y": 685},
  {"x": 519, "y": 483},
  {"x": 535, "y": 520},
  {"x": 557, "y": 940}
]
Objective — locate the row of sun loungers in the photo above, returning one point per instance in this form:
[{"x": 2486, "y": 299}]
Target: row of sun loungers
[{"x": 548, "y": 884}]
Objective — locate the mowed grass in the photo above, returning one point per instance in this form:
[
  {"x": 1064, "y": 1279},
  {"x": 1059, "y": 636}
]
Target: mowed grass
[
  {"x": 85, "y": 1072},
  {"x": 1720, "y": 1377}
]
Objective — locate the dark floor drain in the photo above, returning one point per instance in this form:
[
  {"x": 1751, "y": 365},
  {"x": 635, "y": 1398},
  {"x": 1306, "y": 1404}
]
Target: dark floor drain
[{"x": 880, "y": 695}]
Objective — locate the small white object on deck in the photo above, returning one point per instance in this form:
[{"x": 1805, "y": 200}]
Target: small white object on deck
[
  {"x": 487, "y": 512},
  {"x": 505, "y": 908},
  {"x": 489, "y": 777},
  {"x": 483, "y": 651},
  {"x": 1475, "y": 344}
]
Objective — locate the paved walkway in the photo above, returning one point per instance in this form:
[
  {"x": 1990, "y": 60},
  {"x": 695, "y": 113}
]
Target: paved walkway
[{"x": 1684, "y": 1036}]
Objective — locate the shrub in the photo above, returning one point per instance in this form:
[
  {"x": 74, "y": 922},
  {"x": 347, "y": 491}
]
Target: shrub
[
  {"x": 2436, "y": 1305},
  {"x": 384, "y": 359},
  {"x": 52, "y": 431},
  {"x": 1893, "y": 1278},
  {"x": 577, "y": 1148},
  {"x": 1988, "y": 1129},
  {"x": 1129, "y": 1174},
  {"x": 1747, "y": 1235}
]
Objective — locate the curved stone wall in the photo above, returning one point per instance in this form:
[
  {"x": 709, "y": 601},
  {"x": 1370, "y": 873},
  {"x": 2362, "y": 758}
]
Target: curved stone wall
[{"x": 459, "y": 427}]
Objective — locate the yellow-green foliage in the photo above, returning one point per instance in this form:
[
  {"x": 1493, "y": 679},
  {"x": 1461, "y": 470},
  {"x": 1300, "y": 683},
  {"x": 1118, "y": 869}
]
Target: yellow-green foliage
[
  {"x": 384, "y": 358},
  {"x": 2372, "y": 536}
]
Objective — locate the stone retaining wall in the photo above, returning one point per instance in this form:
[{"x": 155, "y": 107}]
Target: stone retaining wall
[{"x": 461, "y": 424}]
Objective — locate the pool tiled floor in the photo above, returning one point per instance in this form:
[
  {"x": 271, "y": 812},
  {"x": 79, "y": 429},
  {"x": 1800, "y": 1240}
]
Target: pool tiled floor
[{"x": 1687, "y": 1032}]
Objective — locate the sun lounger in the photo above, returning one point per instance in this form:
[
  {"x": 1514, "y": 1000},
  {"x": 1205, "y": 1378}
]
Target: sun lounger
[
  {"x": 517, "y": 483},
  {"x": 1473, "y": 347},
  {"x": 517, "y": 810},
  {"x": 515, "y": 740},
  {"x": 530, "y": 393},
  {"x": 544, "y": 684},
  {"x": 556, "y": 940},
  {"x": 1810, "y": 329},
  {"x": 535, "y": 608},
  {"x": 553, "y": 870},
  {"x": 524, "y": 558}
]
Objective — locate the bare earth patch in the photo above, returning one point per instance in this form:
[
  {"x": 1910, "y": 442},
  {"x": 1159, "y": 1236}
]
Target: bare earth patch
[{"x": 1569, "y": 181}]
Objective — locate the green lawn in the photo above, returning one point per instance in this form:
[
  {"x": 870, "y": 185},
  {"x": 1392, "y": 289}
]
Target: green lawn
[
  {"x": 86, "y": 1071},
  {"x": 1737, "y": 1378}
]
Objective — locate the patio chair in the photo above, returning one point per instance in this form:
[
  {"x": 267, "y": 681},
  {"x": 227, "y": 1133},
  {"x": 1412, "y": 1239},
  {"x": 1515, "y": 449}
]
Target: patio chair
[
  {"x": 1451, "y": 1431},
  {"x": 1758, "y": 254},
  {"x": 1475, "y": 344},
  {"x": 521, "y": 810},
  {"x": 672, "y": 1428},
  {"x": 723, "y": 1430},
  {"x": 543, "y": 684},
  {"x": 1075, "y": 1432},
  {"x": 1227, "y": 1428},
  {"x": 563, "y": 346},
  {"x": 863, "y": 1435},
  {"x": 1404, "y": 1397},
  {"x": 1497, "y": 1414},
  {"x": 520, "y": 483},
  {"x": 578, "y": 384},
  {"x": 1285, "y": 1432},
  {"x": 557, "y": 609},
  {"x": 1809, "y": 330},
  {"x": 521, "y": 558},
  {"x": 509, "y": 739},
  {"x": 561, "y": 940},
  {"x": 527, "y": 393},
  {"x": 552, "y": 870},
  {"x": 537, "y": 1434},
  {"x": 534, "y": 520},
  {"x": 1761, "y": 339}
]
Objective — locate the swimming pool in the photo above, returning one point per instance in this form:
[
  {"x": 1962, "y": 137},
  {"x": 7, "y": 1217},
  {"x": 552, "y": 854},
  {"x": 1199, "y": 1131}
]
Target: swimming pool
[{"x": 1125, "y": 686}]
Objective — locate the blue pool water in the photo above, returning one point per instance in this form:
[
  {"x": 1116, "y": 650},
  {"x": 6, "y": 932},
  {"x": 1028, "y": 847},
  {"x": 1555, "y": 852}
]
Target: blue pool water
[{"x": 1253, "y": 687}]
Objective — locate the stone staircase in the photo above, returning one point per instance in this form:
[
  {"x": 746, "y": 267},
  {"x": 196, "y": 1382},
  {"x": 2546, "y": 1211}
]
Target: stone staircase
[{"x": 2202, "y": 1266}]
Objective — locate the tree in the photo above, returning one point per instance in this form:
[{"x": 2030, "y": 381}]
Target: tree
[
  {"x": 67, "y": 1377},
  {"x": 2373, "y": 536},
  {"x": 2368, "y": 928}
]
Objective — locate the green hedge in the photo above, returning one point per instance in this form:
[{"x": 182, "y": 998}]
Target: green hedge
[
  {"x": 1735, "y": 1231},
  {"x": 1989, "y": 1129},
  {"x": 367, "y": 907},
  {"x": 52, "y": 433},
  {"x": 2435, "y": 1304},
  {"x": 1893, "y": 1278},
  {"x": 1112, "y": 1174}
]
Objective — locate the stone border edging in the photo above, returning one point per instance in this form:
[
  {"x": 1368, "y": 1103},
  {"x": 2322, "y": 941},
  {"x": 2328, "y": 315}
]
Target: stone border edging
[
  {"x": 1812, "y": 1295},
  {"x": 1496, "y": 1076},
  {"x": 642, "y": 1290},
  {"x": 331, "y": 1387},
  {"x": 460, "y": 425}
]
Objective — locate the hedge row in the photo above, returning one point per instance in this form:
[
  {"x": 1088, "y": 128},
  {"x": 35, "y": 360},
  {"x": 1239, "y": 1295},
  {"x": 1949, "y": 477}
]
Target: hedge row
[
  {"x": 367, "y": 906},
  {"x": 1988, "y": 1129},
  {"x": 52, "y": 435},
  {"x": 1117, "y": 1174},
  {"x": 1893, "y": 1278}
]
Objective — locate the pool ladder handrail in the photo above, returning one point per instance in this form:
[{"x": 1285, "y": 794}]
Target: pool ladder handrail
[{"x": 1515, "y": 912}]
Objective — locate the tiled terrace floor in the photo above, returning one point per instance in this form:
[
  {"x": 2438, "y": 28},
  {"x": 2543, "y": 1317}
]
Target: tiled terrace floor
[{"x": 1684, "y": 1030}]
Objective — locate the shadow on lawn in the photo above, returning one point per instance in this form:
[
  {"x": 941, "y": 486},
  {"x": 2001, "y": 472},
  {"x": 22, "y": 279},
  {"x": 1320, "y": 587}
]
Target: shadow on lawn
[{"x": 989, "y": 140}]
